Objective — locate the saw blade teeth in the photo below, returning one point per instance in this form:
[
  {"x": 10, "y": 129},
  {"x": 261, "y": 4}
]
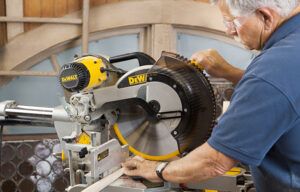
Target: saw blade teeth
[{"x": 189, "y": 62}]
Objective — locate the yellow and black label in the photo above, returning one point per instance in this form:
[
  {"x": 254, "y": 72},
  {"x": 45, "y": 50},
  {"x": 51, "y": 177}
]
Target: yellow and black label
[
  {"x": 137, "y": 79},
  {"x": 102, "y": 155},
  {"x": 69, "y": 78}
]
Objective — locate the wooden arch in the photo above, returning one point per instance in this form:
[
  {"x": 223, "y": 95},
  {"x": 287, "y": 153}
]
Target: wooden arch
[{"x": 34, "y": 46}]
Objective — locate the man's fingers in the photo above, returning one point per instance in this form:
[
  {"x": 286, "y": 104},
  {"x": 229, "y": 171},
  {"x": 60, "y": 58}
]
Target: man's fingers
[
  {"x": 211, "y": 59},
  {"x": 131, "y": 172},
  {"x": 131, "y": 164},
  {"x": 197, "y": 58},
  {"x": 131, "y": 167}
]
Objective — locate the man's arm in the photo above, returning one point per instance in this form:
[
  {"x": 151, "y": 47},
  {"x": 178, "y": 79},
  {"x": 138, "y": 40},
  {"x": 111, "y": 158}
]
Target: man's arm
[
  {"x": 201, "y": 164},
  {"x": 216, "y": 66}
]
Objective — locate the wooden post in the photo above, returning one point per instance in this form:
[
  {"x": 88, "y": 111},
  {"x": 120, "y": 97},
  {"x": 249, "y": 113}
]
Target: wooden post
[
  {"x": 14, "y": 8},
  {"x": 54, "y": 63},
  {"x": 163, "y": 39},
  {"x": 85, "y": 26}
]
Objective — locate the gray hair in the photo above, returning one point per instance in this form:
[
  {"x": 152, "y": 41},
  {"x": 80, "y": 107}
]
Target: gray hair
[{"x": 241, "y": 7}]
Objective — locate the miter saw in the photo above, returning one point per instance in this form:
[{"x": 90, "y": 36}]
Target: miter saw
[{"x": 160, "y": 110}]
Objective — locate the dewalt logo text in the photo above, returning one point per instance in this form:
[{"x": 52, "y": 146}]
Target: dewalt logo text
[
  {"x": 137, "y": 79},
  {"x": 69, "y": 78}
]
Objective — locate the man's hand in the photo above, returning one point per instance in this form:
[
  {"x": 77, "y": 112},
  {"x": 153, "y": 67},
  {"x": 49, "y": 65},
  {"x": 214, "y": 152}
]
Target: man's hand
[
  {"x": 201, "y": 164},
  {"x": 216, "y": 66},
  {"x": 142, "y": 168}
]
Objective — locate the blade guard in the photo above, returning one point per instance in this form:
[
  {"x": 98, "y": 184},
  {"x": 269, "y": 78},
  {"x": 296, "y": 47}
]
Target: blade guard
[{"x": 198, "y": 104}]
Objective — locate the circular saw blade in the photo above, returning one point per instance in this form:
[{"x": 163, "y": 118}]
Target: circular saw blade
[
  {"x": 149, "y": 139},
  {"x": 179, "y": 87}
]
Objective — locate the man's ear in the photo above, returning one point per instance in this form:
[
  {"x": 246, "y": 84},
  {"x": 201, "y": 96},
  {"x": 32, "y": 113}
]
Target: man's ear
[{"x": 268, "y": 16}]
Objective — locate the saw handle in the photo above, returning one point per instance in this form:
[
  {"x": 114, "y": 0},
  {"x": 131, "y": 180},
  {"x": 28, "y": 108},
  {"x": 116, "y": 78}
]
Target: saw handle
[{"x": 142, "y": 58}]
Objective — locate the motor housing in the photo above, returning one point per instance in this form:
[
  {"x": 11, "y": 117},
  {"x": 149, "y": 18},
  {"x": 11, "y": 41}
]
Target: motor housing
[{"x": 83, "y": 73}]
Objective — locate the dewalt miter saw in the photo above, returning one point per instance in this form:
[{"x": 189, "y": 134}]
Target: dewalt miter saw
[{"x": 159, "y": 110}]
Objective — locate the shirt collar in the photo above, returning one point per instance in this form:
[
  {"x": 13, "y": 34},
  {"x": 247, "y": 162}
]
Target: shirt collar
[{"x": 287, "y": 27}]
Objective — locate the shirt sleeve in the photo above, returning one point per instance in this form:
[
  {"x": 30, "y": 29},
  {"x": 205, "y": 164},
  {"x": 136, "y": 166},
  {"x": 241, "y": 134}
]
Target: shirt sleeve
[{"x": 259, "y": 114}]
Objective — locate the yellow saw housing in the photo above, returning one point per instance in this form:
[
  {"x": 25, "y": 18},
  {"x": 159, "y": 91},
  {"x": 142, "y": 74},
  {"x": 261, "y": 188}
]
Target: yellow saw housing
[
  {"x": 83, "y": 73},
  {"x": 140, "y": 153}
]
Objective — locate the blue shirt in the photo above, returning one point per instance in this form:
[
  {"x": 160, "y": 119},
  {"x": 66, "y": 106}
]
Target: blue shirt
[{"x": 261, "y": 127}]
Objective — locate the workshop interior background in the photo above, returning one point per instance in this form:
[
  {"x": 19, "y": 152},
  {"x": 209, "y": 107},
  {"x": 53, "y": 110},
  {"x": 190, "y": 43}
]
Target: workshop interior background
[{"x": 39, "y": 36}]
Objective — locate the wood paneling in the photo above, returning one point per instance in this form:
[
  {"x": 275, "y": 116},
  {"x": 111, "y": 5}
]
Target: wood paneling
[
  {"x": 47, "y": 8},
  {"x": 55, "y": 8},
  {"x": 74, "y": 5},
  {"x": 3, "y": 31},
  {"x": 98, "y": 2},
  {"x": 32, "y": 8},
  {"x": 59, "y": 8}
]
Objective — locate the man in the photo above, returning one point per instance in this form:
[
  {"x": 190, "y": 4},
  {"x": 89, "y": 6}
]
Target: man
[{"x": 261, "y": 128}]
